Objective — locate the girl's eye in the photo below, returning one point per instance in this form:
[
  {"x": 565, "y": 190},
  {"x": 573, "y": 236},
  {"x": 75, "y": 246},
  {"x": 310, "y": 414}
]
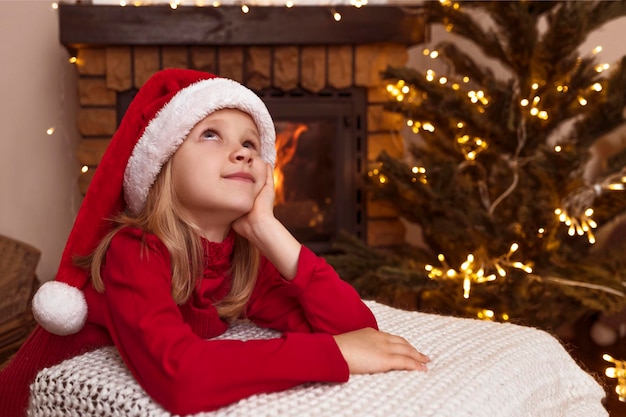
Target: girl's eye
[
  {"x": 250, "y": 144},
  {"x": 210, "y": 135}
]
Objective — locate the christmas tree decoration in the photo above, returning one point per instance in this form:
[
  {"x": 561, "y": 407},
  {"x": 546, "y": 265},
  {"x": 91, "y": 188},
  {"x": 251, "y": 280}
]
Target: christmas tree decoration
[
  {"x": 497, "y": 177},
  {"x": 618, "y": 371}
]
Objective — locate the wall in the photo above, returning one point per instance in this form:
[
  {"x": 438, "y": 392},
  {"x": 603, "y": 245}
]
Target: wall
[{"x": 38, "y": 172}]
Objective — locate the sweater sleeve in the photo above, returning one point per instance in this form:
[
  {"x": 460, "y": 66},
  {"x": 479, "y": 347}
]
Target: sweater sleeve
[
  {"x": 181, "y": 371},
  {"x": 316, "y": 300}
]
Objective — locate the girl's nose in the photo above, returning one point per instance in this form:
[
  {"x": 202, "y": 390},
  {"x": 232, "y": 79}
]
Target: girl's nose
[{"x": 242, "y": 154}]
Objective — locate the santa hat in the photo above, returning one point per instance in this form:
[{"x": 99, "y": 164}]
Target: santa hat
[{"x": 157, "y": 121}]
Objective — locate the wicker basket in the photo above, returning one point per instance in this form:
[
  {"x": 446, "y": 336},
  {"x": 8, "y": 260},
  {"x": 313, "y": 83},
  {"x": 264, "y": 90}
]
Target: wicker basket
[{"x": 18, "y": 281}]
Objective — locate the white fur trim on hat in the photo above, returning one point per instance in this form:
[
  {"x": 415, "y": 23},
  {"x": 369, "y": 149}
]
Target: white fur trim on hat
[
  {"x": 171, "y": 125},
  {"x": 60, "y": 308}
]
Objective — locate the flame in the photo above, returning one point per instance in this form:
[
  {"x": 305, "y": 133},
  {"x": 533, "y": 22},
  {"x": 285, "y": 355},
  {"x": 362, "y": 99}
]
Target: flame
[{"x": 286, "y": 145}]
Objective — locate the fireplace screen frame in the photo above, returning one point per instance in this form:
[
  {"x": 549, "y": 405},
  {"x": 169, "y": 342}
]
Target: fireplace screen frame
[{"x": 348, "y": 109}]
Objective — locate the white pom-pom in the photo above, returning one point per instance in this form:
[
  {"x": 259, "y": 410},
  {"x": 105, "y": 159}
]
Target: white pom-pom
[{"x": 60, "y": 308}]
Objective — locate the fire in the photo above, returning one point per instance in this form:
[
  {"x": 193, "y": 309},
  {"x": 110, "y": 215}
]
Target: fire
[{"x": 286, "y": 145}]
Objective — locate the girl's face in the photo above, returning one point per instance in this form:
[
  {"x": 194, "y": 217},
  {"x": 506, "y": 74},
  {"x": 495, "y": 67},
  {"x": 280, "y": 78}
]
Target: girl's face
[{"x": 217, "y": 172}]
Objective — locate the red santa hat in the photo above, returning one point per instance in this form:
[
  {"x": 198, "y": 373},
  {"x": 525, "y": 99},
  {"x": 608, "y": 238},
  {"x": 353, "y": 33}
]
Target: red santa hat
[{"x": 157, "y": 121}]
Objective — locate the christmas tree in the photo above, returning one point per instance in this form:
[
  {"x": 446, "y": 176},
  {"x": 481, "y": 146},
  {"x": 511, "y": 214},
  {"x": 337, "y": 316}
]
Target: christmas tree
[{"x": 516, "y": 224}]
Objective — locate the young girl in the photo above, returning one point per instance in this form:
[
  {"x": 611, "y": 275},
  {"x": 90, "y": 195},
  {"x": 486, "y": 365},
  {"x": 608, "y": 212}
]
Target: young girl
[{"x": 175, "y": 239}]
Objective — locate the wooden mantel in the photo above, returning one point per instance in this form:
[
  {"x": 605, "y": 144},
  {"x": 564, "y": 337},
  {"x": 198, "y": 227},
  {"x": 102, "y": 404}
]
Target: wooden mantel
[{"x": 83, "y": 24}]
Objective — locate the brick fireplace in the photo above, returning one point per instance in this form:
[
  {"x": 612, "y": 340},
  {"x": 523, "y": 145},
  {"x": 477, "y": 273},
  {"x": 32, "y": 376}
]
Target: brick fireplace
[{"x": 307, "y": 68}]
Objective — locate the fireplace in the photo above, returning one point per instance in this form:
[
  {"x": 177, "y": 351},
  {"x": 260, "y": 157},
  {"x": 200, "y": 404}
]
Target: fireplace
[
  {"x": 319, "y": 79},
  {"x": 320, "y": 142}
]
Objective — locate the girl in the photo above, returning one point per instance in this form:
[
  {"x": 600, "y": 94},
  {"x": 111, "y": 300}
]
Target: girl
[{"x": 175, "y": 239}]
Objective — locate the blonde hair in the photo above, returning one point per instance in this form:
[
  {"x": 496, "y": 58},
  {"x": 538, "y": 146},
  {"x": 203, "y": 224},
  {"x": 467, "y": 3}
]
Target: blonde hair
[{"x": 162, "y": 217}]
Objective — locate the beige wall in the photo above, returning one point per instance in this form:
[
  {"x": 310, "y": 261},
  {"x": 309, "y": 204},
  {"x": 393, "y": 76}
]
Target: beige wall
[{"x": 38, "y": 173}]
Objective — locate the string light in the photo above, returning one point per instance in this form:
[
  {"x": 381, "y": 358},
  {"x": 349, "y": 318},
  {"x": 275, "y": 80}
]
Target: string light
[
  {"x": 55, "y": 6},
  {"x": 471, "y": 146},
  {"x": 477, "y": 271},
  {"x": 602, "y": 67},
  {"x": 245, "y": 8},
  {"x": 576, "y": 209},
  {"x": 358, "y": 3},
  {"x": 50, "y": 131},
  {"x": 618, "y": 371}
]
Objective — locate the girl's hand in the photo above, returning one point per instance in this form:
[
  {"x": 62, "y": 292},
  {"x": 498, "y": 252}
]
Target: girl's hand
[
  {"x": 369, "y": 351},
  {"x": 262, "y": 209},
  {"x": 267, "y": 234}
]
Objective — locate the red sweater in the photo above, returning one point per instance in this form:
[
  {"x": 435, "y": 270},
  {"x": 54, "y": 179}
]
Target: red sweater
[{"x": 165, "y": 346}]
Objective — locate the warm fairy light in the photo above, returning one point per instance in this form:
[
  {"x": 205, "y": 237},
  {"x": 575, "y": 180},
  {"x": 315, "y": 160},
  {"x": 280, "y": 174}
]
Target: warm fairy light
[
  {"x": 524, "y": 102},
  {"x": 428, "y": 127},
  {"x": 618, "y": 371},
  {"x": 460, "y": 125},
  {"x": 443, "y": 80},
  {"x": 471, "y": 146},
  {"x": 582, "y": 101},
  {"x": 597, "y": 49},
  {"x": 336, "y": 16},
  {"x": 73, "y": 60},
  {"x": 475, "y": 270},
  {"x": 578, "y": 224},
  {"x": 455, "y": 86},
  {"x": 486, "y": 314},
  {"x": 558, "y": 148},
  {"x": 216, "y": 4},
  {"x": 534, "y": 111},
  {"x": 84, "y": 169},
  {"x": 50, "y": 131},
  {"x": 476, "y": 96},
  {"x": 430, "y": 75},
  {"x": 434, "y": 54},
  {"x": 400, "y": 91},
  {"x": 466, "y": 79},
  {"x": 245, "y": 8},
  {"x": 289, "y": 4},
  {"x": 534, "y": 86},
  {"x": 543, "y": 115},
  {"x": 358, "y": 3},
  {"x": 174, "y": 4},
  {"x": 122, "y": 3},
  {"x": 597, "y": 87},
  {"x": 602, "y": 67},
  {"x": 55, "y": 6}
]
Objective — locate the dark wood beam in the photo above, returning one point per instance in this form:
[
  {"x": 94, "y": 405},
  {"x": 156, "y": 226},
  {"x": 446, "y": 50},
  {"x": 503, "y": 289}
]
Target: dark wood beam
[{"x": 83, "y": 24}]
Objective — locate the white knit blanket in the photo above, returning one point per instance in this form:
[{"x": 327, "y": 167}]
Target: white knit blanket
[{"x": 478, "y": 368}]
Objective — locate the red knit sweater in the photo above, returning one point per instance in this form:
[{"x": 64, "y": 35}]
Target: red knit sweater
[{"x": 165, "y": 346}]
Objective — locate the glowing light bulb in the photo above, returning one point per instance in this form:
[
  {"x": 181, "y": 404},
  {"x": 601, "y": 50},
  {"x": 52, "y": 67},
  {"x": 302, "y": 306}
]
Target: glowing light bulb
[
  {"x": 50, "y": 131},
  {"x": 84, "y": 169},
  {"x": 337, "y": 16},
  {"x": 245, "y": 8}
]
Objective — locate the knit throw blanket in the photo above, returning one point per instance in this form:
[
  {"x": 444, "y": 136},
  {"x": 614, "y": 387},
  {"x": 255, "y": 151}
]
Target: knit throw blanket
[{"x": 477, "y": 368}]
